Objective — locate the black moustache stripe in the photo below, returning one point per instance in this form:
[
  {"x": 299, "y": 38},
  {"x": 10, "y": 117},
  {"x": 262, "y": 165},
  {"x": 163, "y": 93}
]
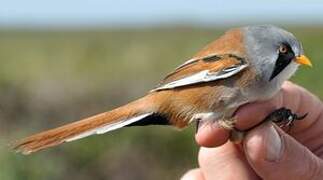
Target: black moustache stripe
[
  {"x": 280, "y": 65},
  {"x": 282, "y": 62}
]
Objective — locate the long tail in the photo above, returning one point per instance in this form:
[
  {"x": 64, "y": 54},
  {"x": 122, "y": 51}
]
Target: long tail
[{"x": 98, "y": 124}]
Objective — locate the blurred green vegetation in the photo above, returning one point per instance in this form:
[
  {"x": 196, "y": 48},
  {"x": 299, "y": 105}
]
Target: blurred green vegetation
[{"x": 51, "y": 78}]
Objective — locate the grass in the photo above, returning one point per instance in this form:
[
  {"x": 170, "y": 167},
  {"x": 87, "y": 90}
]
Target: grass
[{"x": 50, "y": 78}]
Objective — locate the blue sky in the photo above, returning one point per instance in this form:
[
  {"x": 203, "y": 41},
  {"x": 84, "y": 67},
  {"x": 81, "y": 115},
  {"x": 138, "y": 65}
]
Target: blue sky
[{"x": 58, "y": 13}]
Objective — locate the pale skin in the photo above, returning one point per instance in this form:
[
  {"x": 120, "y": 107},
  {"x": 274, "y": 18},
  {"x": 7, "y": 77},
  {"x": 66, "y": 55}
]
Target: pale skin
[{"x": 267, "y": 152}]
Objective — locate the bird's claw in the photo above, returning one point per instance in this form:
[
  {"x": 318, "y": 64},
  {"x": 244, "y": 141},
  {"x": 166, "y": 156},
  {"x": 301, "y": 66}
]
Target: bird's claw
[{"x": 284, "y": 117}]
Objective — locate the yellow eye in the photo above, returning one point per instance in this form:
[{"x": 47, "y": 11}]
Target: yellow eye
[{"x": 283, "y": 49}]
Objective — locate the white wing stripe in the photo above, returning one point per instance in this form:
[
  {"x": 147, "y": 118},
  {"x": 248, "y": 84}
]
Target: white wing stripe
[
  {"x": 203, "y": 76},
  {"x": 108, "y": 127}
]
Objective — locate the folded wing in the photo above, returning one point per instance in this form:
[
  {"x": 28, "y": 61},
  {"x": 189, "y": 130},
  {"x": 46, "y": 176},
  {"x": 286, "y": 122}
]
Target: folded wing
[{"x": 205, "y": 69}]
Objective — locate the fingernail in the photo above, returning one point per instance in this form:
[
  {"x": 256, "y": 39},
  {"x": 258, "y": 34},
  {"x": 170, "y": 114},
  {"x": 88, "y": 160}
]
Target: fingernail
[{"x": 273, "y": 144}]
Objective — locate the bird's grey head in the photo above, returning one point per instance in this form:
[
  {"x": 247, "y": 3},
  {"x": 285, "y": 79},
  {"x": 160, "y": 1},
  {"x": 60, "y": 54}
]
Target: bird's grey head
[{"x": 273, "y": 52}]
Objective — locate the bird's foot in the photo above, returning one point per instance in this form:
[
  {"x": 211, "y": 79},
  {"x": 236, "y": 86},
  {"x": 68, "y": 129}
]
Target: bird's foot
[
  {"x": 204, "y": 118},
  {"x": 283, "y": 117}
]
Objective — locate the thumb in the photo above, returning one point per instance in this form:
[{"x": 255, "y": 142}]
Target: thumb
[{"x": 273, "y": 154}]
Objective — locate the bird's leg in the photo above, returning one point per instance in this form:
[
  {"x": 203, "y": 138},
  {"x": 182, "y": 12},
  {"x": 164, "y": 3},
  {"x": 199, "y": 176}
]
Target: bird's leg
[
  {"x": 236, "y": 135},
  {"x": 283, "y": 117},
  {"x": 197, "y": 125},
  {"x": 203, "y": 117}
]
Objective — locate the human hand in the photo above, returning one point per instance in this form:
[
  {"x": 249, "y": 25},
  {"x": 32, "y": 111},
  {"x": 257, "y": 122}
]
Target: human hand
[{"x": 267, "y": 152}]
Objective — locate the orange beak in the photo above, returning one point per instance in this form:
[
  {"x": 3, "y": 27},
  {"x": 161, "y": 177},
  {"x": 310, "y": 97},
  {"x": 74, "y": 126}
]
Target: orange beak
[{"x": 303, "y": 60}]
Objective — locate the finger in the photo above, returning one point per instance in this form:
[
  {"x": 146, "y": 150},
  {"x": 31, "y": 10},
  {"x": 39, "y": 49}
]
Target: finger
[
  {"x": 211, "y": 135},
  {"x": 194, "y": 174},
  {"x": 225, "y": 162},
  {"x": 273, "y": 154}
]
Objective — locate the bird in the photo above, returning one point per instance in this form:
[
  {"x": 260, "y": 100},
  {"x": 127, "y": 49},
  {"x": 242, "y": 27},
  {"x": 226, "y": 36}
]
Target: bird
[{"x": 244, "y": 65}]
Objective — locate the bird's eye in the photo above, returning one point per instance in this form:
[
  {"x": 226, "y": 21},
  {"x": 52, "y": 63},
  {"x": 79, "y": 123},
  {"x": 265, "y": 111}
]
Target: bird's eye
[{"x": 283, "y": 49}]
